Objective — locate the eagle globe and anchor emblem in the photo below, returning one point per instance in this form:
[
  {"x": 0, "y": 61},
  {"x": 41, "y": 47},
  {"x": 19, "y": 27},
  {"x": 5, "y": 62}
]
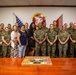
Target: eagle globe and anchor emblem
[{"x": 37, "y": 18}]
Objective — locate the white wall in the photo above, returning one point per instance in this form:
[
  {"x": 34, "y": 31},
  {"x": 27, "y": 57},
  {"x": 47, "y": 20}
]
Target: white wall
[{"x": 25, "y": 14}]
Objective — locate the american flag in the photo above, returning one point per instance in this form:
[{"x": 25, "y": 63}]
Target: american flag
[{"x": 18, "y": 21}]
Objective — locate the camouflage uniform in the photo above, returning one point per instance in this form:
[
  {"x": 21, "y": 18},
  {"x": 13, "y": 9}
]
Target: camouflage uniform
[
  {"x": 10, "y": 31},
  {"x": 51, "y": 49},
  {"x": 5, "y": 48},
  {"x": 56, "y": 29},
  {"x": 63, "y": 47},
  {"x": 40, "y": 34},
  {"x": 45, "y": 29},
  {"x": 1, "y": 45},
  {"x": 3, "y": 31},
  {"x": 70, "y": 29},
  {"x": 73, "y": 45}
]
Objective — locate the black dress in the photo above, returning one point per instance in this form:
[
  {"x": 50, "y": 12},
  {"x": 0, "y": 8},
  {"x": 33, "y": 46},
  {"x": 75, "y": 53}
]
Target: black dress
[{"x": 31, "y": 42}]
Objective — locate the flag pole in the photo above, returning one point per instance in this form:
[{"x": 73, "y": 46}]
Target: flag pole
[
  {"x": 14, "y": 14},
  {"x": 14, "y": 18}
]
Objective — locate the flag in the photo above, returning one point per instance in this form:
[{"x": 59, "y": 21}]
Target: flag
[
  {"x": 18, "y": 21},
  {"x": 59, "y": 22}
]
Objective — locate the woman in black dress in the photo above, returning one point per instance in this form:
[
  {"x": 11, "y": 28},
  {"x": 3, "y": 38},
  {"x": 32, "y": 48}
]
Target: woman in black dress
[{"x": 31, "y": 41}]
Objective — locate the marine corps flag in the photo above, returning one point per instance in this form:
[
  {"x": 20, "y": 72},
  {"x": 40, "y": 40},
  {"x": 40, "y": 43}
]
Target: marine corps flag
[{"x": 59, "y": 22}]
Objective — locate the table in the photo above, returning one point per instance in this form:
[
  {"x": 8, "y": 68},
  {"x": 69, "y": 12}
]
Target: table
[{"x": 60, "y": 66}]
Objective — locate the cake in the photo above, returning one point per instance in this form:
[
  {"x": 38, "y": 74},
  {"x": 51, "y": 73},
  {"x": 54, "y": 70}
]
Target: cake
[{"x": 37, "y": 60}]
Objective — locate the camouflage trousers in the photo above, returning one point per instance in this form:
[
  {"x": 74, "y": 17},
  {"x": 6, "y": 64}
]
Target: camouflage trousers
[
  {"x": 63, "y": 50},
  {"x": 51, "y": 50},
  {"x": 40, "y": 47},
  {"x": 1, "y": 53},
  {"x": 14, "y": 52},
  {"x": 6, "y": 51},
  {"x": 72, "y": 49}
]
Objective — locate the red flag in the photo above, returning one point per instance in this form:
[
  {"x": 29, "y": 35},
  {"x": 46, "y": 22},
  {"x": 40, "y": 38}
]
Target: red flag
[{"x": 59, "y": 22}]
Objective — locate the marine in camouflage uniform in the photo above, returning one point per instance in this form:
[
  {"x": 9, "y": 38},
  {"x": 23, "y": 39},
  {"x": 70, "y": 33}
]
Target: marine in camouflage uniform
[
  {"x": 2, "y": 26},
  {"x": 56, "y": 29},
  {"x": 40, "y": 37},
  {"x": 10, "y": 29},
  {"x": 45, "y": 29},
  {"x": 70, "y": 29},
  {"x": 73, "y": 42},
  {"x": 1, "y": 42},
  {"x": 51, "y": 38},
  {"x": 63, "y": 38},
  {"x": 3, "y": 31},
  {"x": 6, "y": 43}
]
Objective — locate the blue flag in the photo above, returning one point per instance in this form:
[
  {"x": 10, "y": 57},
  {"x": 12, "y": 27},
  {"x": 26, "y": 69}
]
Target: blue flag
[{"x": 18, "y": 21}]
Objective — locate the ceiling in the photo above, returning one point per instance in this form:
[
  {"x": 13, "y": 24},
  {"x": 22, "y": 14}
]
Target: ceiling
[{"x": 13, "y": 3}]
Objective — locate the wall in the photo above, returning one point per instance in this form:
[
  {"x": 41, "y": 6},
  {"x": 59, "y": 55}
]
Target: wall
[{"x": 25, "y": 14}]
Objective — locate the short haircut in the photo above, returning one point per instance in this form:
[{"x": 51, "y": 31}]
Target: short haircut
[
  {"x": 51, "y": 24},
  {"x": 22, "y": 26},
  {"x": 14, "y": 25},
  {"x": 6, "y": 27},
  {"x": 9, "y": 24}
]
